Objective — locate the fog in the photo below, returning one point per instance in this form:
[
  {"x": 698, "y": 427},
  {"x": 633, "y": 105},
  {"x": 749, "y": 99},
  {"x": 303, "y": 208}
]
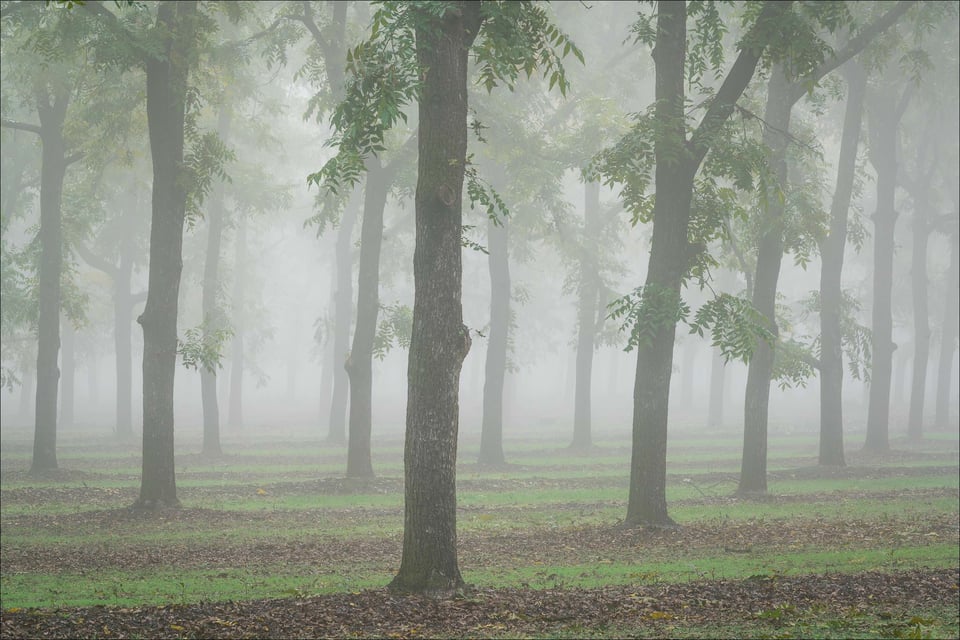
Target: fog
[{"x": 289, "y": 273}]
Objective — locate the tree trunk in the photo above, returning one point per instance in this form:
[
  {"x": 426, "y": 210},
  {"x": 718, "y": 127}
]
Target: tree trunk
[
  {"x": 166, "y": 98},
  {"x": 123, "y": 303},
  {"x": 718, "y": 370},
  {"x": 439, "y": 341},
  {"x": 359, "y": 365},
  {"x": 68, "y": 367},
  {"x": 948, "y": 333},
  {"x": 235, "y": 410},
  {"x": 753, "y": 472},
  {"x": 883, "y": 155},
  {"x": 669, "y": 254},
  {"x": 498, "y": 260},
  {"x": 342, "y": 315},
  {"x": 213, "y": 319},
  {"x": 53, "y": 169},
  {"x": 586, "y": 319},
  {"x": 918, "y": 277},
  {"x": 831, "y": 293}
]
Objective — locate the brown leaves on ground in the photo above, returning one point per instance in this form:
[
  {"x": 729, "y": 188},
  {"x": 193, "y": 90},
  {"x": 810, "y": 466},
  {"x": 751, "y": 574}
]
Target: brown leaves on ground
[
  {"x": 504, "y": 548},
  {"x": 649, "y": 610}
]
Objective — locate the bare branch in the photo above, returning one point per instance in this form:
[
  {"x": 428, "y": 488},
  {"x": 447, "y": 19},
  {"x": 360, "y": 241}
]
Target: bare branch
[
  {"x": 855, "y": 45},
  {"x": 22, "y": 126},
  {"x": 94, "y": 260}
]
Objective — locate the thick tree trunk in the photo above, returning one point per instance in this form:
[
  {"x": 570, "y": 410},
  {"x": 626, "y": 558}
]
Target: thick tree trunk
[
  {"x": 235, "y": 405},
  {"x": 586, "y": 319},
  {"x": 53, "y": 169},
  {"x": 439, "y": 341},
  {"x": 166, "y": 97},
  {"x": 753, "y": 471},
  {"x": 359, "y": 365},
  {"x": 498, "y": 260},
  {"x": 883, "y": 155},
  {"x": 212, "y": 315},
  {"x": 342, "y": 316},
  {"x": 68, "y": 371},
  {"x": 948, "y": 333},
  {"x": 831, "y": 293}
]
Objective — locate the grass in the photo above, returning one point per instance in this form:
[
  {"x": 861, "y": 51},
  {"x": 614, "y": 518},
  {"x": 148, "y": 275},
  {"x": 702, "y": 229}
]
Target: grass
[{"x": 268, "y": 497}]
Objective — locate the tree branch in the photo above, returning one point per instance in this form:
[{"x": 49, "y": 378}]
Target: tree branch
[
  {"x": 22, "y": 126},
  {"x": 855, "y": 45},
  {"x": 99, "y": 11},
  {"x": 138, "y": 297},
  {"x": 94, "y": 260},
  {"x": 393, "y": 166},
  {"x": 73, "y": 157},
  {"x": 734, "y": 84}
]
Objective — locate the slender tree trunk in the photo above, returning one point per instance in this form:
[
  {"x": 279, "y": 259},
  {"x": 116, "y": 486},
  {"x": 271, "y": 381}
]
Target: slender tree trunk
[
  {"x": 586, "y": 318},
  {"x": 498, "y": 261},
  {"x": 718, "y": 369},
  {"x": 359, "y": 365},
  {"x": 753, "y": 472},
  {"x": 212, "y": 315},
  {"x": 166, "y": 99},
  {"x": 884, "y": 121},
  {"x": 439, "y": 341},
  {"x": 919, "y": 282},
  {"x": 123, "y": 349},
  {"x": 686, "y": 372},
  {"x": 235, "y": 410},
  {"x": 948, "y": 334},
  {"x": 53, "y": 169},
  {"x": 342, "y": 315},
  {"x": 68, "y": 366},
  {"x": 669, "y": 255},
  {"x": 831, "y": 293}
]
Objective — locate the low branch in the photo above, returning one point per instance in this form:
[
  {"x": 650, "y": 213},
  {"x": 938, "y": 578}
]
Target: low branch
[
  {"x": 94, "y": 260},
  {"x": 138, "y": 297},
  {"x": 21, "y": 126},
  {"x": 73, "y": 157}
]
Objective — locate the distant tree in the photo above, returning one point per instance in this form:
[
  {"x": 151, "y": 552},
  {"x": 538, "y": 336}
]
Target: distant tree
[
  {"x": 53, "y": 42},
  {"x": 804, "y": 59}
]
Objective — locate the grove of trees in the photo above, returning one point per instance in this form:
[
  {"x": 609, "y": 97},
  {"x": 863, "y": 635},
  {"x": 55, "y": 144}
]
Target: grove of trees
[{"x": 435, "y": 182}]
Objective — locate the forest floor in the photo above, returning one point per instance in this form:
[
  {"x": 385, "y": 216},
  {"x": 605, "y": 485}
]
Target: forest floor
[{"x": 272, "y": 542}]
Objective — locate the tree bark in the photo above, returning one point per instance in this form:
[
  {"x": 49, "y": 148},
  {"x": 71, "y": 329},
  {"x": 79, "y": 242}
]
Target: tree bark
[
  {"x": 586, "y": 319},
  {"x": 359, "y": 365},
  {"x": 52, "y": 111},
  {"x": 498, "y": 261},
  {"x": 753, "y": 472},
  {"x": 948, "y": 332},
  {"x": 831, "y": 293},
  {"x": 439, "y": 341},
  {"x": 166, "y": 99},
  {"x": 884, "y": 120},
  {"x": 213, "y": 319}
]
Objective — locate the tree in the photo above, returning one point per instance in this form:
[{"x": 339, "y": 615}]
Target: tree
[
  {"x": 677, "y": 160},
  {"x": 53, "y": 86},
  {"x": 423, "y": 48},
  {"x": 885, "y": 109},
  {"x": 804, "y": 63},
  {"x": 831, "y": 294}
]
